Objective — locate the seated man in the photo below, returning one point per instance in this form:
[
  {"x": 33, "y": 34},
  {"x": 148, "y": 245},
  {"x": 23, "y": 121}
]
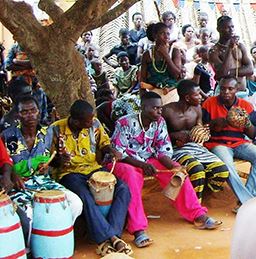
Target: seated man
[
  {"x": 16, "y": 87},
  {"x": 146, "y": 149},
  {"x": 83, "y": 136},
  {"x": 229, "y": 142},
  {"x": 203, "y": 167},
  {"x": 29, "y": 146}
]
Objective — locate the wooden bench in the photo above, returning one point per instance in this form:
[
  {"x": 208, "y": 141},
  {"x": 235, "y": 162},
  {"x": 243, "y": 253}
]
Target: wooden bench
[{"x": 243, "y": 168}]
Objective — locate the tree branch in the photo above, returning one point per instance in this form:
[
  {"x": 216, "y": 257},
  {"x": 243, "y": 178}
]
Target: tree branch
[
  {"x": 19, "y": 19},
  {"x": 51, "y": 9},
  {"x": 110, "y": 15},
  {"x": 77, "y": 17}
]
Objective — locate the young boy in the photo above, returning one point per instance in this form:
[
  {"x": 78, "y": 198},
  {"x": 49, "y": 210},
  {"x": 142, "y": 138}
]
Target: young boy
[{"x": 125, "y": 77}]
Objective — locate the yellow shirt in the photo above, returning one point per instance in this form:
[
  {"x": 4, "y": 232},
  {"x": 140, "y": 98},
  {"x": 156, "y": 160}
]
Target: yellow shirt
[{"x": 83, "y": 149}]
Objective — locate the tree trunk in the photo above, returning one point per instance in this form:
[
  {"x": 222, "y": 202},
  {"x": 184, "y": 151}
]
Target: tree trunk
[
  {"x": 51, "y": 51},
  {"x": 60, "y": 69}
]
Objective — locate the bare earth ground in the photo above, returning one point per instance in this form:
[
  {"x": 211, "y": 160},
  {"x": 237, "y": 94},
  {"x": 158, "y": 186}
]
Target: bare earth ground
[{"x": 174, "y": 237}]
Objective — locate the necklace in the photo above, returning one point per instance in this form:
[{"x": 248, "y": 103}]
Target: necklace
[
  {"x": 164, "y": 66},
  {"x": 140, "y": 121},
  {"x": 222, "y": 45}
]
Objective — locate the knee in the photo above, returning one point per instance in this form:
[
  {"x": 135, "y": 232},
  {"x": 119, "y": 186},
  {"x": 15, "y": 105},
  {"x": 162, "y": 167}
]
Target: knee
[
  {"x": 123, "y": 190},
  {"x": 75, "y": 203}
]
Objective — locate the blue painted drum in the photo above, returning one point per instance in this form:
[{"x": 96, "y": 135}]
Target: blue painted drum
[
  {"x": 12, "y": 243},
  {"x": 102, "y": 185},
  {"x": 52, "y": 227}
]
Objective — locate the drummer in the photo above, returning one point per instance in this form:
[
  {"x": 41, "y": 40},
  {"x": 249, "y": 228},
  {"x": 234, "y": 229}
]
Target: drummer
[
  {"x": 29, "y": 146},
  {"x": 80, "y": 137}
]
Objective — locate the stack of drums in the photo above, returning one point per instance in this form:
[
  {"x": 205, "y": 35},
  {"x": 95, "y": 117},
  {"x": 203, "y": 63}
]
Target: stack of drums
[
  {"x": 12, "y": 243},
  {"x": 52, "y": 228}
]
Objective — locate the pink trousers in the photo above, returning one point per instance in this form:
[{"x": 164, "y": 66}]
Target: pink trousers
[{"x": 186, "y": 203}]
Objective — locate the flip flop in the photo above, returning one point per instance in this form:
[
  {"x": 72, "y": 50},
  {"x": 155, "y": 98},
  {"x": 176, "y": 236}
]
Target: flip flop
[
  {"x": 142, "y": 240},
  {"x": 125, "y": 249},
  {"x": 105, "y": 248},
  {"x": 209, "y": 223}
]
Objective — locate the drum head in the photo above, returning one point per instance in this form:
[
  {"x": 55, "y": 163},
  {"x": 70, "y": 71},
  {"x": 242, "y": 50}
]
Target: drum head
[
  {"x": 103, "y": 177},
  {"x": 50, "y": 194}
]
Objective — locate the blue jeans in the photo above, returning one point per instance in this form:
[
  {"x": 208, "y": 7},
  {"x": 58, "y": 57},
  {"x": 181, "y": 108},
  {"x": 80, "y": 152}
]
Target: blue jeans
[
  {"x": 246, "y": 152},
  {"x": 99, "y": 227}
]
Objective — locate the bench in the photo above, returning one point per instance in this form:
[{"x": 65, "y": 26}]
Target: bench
[{"x": 243, "y": 168}]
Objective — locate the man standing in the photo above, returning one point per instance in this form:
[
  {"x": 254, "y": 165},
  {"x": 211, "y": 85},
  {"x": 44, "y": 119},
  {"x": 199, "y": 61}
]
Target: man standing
[
  {"x": 138, "y": 32},
  {"x": 204, "y": 168},
  {"x": 83, "y": 136},
  {"x": 125, "y": 45},
  {"x": 146, "y": 150},
  {"x": 229, "y": 142},
  {"x": 229, "y": 57}
]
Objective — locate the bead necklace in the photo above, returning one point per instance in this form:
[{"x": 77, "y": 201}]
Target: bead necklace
[{"x": 164, "y": 66}]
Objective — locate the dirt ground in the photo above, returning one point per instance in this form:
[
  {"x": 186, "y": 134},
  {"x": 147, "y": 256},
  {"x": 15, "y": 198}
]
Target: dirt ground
[{"x": 174, "y": 237}]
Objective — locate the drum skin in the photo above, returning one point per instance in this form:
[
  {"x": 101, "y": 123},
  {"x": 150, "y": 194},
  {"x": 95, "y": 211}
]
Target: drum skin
[
  {"x": 12, "y": 243},
  {"x": 52, "y": 228}
]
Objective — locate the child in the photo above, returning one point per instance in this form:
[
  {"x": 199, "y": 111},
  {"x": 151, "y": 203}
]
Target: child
[
  {"x": 204, "y": 73},
  {"x": 125, "y": 77},
  {"x": 99, "y": 75}
]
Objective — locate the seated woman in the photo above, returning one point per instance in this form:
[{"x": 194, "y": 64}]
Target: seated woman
[
  {"x": 125, "y": 77},
  {"x": 161, "y": 66}
]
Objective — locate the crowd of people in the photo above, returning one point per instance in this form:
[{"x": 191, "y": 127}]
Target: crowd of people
[{"x": 166, "y": 110}]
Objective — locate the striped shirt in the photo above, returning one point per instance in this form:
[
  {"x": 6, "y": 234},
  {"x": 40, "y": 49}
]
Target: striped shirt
[{"x": 232, "y": 137}]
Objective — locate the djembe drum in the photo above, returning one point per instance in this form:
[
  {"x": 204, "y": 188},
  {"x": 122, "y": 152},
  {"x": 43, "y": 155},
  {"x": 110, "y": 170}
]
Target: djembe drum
[
  {"x": 12, "y": 243},
  {"x": 237, "y": 117},
  {"x": 101, "y": 185},
  {"x": 52, "y": 227}
]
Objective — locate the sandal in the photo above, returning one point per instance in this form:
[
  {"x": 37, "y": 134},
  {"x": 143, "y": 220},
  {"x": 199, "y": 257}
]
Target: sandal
[
  {"x": 124, "y": 249},
  {"x": 209, "y": 223},
  {"x": 105, "y": 248},
  {"x": 142, "y": 240}
]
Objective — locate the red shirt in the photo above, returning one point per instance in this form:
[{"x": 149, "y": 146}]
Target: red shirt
[
  {"x": 232, "y": 137},
  {"x": 4, "y": 157}
]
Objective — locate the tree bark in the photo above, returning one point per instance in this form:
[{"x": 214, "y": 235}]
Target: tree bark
[{"x": 59, "y": 67}]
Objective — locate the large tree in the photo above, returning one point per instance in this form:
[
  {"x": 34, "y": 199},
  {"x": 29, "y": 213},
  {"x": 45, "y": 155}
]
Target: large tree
[{"x": 51, "y": 50}]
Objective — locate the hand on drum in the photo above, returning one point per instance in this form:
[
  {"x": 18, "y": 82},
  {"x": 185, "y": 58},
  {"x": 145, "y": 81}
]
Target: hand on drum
[
  {"x": 148, "y": 169},
  {"x": 17, "y": 181}
]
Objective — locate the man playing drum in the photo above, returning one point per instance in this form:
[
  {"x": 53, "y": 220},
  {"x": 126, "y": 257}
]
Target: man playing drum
[
  {"x": 229, "y": 142},
  {"x": 81, "y": 137},
  {"x": 29, "y": 146},
  {"x": 146, "y": 149}
]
